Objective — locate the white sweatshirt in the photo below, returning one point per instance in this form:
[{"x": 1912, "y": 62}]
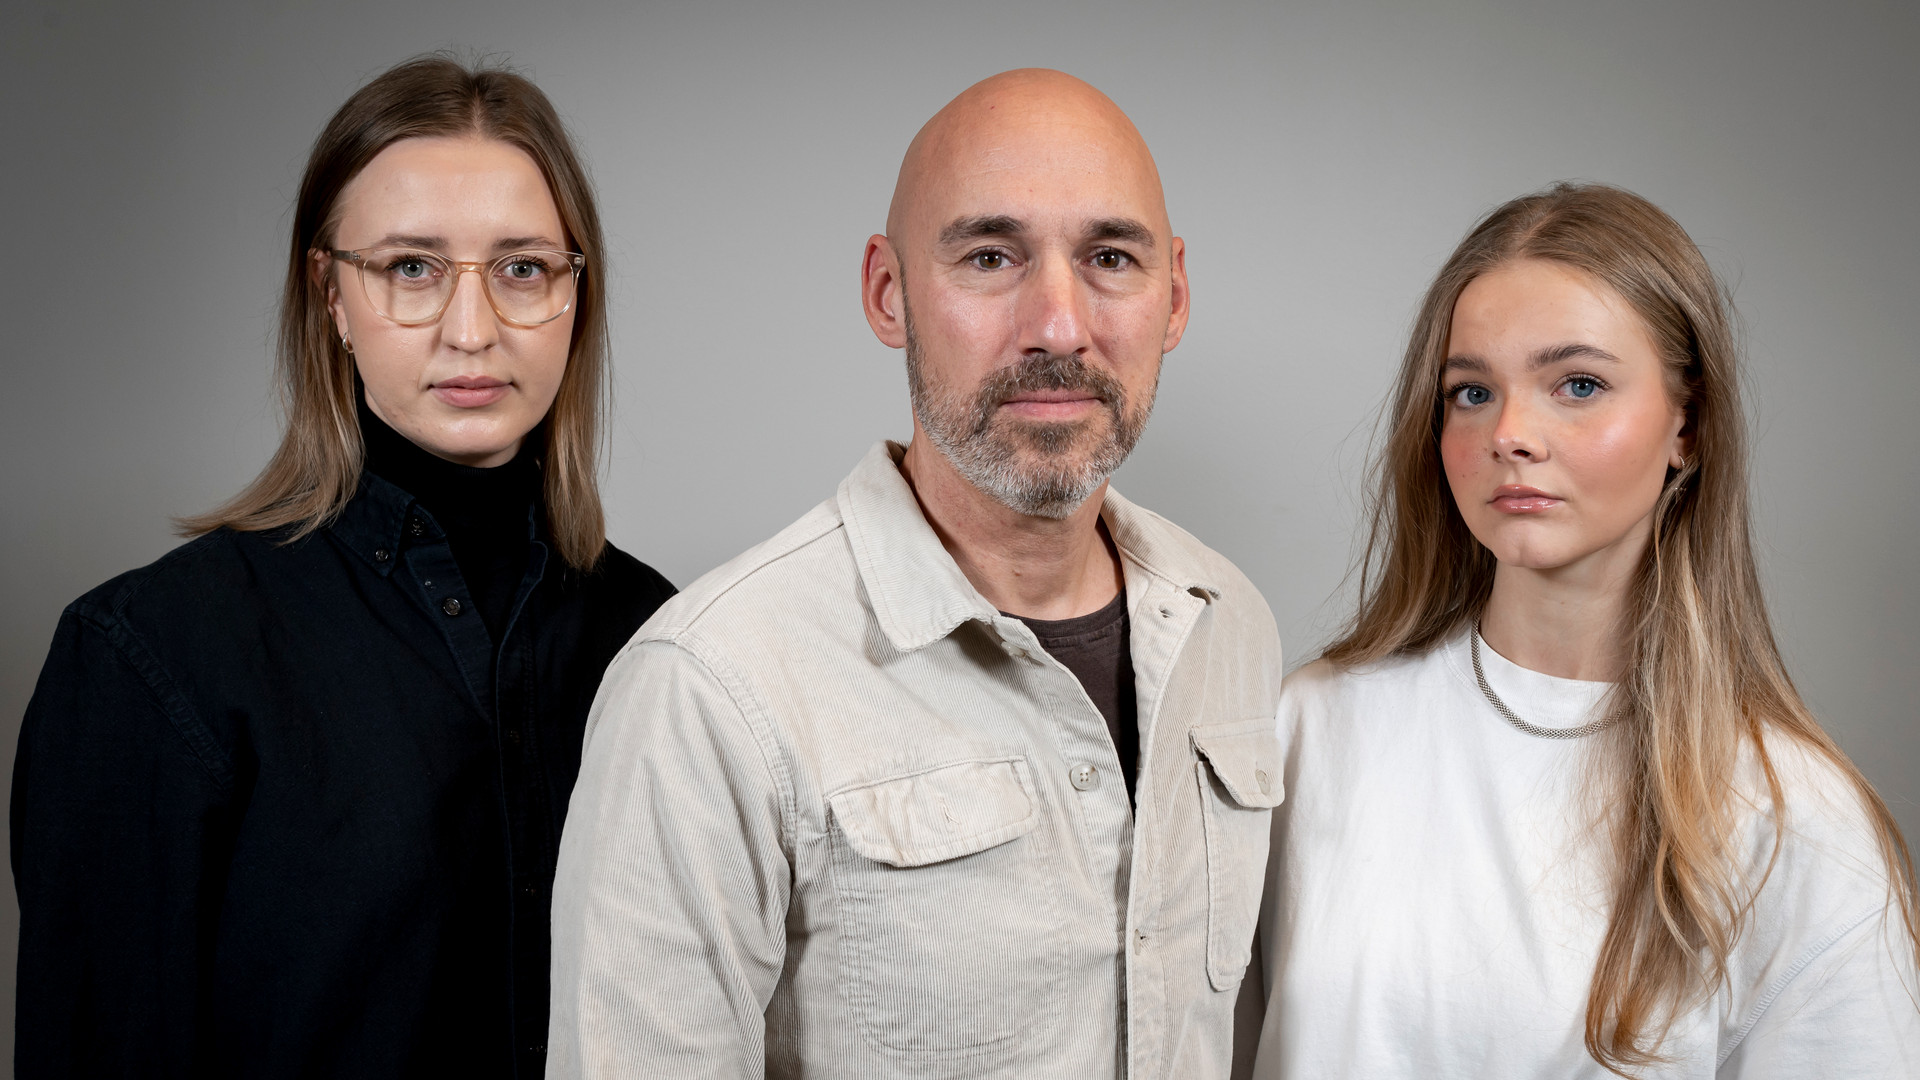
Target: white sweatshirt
[{"x": 1439, "y": 897}]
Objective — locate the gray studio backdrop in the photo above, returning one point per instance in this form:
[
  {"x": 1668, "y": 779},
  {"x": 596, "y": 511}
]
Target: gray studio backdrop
[{"x": 1320, "y": 159}]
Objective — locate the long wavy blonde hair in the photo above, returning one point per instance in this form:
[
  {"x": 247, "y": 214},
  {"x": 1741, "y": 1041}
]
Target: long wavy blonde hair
[
  {"x": 316, "y": 470},
  {"x": 1703, "y": 677}
]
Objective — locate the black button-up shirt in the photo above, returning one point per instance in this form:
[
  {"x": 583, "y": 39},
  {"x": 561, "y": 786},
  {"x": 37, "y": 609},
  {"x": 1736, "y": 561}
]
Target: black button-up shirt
[{"x": 285, "y": 810}]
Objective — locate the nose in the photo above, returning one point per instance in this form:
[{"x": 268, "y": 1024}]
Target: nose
[
  {"x": 468, "y": 324},
  {"x": 1516, "y": 432},
  {"x": 1052, "y": 311}
]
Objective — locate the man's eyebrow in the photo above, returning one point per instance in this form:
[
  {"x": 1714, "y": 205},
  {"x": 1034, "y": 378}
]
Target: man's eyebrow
[
  {"x": 978, "y": 226},
  {"x": 1120, "y": 229}
]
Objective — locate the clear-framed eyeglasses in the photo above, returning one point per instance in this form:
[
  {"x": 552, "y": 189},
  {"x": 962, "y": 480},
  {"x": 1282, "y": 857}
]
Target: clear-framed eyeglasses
[{"x": 411, "y": 286}]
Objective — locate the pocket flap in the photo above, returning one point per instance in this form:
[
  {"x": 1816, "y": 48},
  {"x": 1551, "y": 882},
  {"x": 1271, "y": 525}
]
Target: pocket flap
[
  {"x": 1246, "y": 758},
  {"x": 938, "y": 814}
]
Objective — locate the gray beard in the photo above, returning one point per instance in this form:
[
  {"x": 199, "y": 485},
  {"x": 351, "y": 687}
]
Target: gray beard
[{"x": 1040, "y": 469}]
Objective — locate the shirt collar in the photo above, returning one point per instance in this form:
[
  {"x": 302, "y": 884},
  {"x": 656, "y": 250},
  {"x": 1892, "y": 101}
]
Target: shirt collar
[
  {"x": 1160, "y": 547},
  {"x": 379, "y": 520},
  {"x": 917, "y": 591}
]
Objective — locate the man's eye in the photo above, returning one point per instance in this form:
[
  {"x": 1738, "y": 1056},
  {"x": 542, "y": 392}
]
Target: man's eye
[
  {"x": 989, "y": 260},
  {"x": 1111, "y": 260}
]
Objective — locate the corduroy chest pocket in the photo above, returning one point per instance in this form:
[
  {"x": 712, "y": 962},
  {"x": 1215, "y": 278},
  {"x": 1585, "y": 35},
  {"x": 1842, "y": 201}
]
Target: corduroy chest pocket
[
  {"x": 950, "y": 932},
  {"x": 1240, "y": 785}
]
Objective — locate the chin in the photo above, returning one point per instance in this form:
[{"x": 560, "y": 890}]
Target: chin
[
  {"x": 1532, "y": 560},
  {"x": 1516, "y": 548},
  {"x": 472, "y": 451}
]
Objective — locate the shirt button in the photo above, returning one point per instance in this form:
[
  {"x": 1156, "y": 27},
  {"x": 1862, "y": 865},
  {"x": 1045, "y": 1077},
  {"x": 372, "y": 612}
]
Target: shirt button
[
  {"x": 451, "y": 605},
  {"x": 1166, "y": 612},
  {"x": 1083, "y": 777},
  {"x": 1260, "y": 777},
  {"x": 381, "y": 554},
  {"x": 416, "y": 528}
]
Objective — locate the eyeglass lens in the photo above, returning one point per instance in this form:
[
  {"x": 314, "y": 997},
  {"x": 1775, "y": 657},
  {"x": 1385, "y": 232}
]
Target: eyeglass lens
[{"x": 409, "y": 286}]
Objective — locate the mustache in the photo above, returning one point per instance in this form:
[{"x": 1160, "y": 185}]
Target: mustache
[{"x": 1048, "y": 372}]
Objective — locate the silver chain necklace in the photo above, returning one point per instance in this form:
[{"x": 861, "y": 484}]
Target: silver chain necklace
[{"x": 1493, "y": 699}]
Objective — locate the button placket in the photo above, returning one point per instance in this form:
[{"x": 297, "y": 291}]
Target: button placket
[{"x": 438, "y": 578}]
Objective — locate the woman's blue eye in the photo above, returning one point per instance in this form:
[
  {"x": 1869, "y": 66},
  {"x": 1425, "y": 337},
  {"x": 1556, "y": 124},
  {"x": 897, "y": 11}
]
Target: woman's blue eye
[
  {"x": 411, "y": 268},
  {"x": 1472, "y": 395},
  {"x": 1582, "y": 387}
]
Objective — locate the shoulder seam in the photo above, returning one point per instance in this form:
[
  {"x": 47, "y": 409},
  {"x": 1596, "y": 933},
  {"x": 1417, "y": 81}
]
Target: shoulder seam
[
  {"x": 171, "y": 700},
  {"x": 1780, "y": 984},
  {"x": 755, "y": 717},
  {"x": 684, "y": 623},
  {"x": 131, "y": 582}
]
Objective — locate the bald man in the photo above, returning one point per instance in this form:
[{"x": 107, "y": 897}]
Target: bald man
[{"x": 968, "y": 772}]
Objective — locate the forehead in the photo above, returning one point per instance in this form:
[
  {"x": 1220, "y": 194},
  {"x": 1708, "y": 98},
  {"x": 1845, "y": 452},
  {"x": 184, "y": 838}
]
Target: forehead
[
  {"x": 459, "y": 188},
  {"x": 1047, "y": 169},
  {"x": 1527, "y": 303}
]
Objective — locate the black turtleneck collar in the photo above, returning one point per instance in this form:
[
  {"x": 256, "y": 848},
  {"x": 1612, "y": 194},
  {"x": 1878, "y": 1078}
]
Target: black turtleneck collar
[
  {"x": 460, "y": 497},
  {"x": 487, "y": 514}
]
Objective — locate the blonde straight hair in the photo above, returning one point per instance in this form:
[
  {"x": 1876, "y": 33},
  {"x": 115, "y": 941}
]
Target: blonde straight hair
[
  {"x": 1704, "y": 680},
  {"x": 316, "y": 470}
]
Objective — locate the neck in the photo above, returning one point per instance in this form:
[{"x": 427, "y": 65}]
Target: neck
[
  {"x": 1564, "y": 621},
  {"x": 1040, "y": 568},
  {"x": 463, "y": 499}
]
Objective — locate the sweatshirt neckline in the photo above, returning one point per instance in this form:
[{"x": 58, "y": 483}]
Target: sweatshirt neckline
[{"x": 1540, "y": 699}]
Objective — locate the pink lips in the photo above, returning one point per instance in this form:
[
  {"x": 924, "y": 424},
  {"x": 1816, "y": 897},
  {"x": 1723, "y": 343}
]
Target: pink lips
[
  {"x": 470, "y": 391},
  {"x": 1520, "y": 499},
  {"x": 1050, "y": 404}
]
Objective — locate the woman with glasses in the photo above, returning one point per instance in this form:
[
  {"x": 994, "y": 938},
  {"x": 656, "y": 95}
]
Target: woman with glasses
[
  {"x": 288, "y": 800},
  {"x": 1554, "y": 807}
]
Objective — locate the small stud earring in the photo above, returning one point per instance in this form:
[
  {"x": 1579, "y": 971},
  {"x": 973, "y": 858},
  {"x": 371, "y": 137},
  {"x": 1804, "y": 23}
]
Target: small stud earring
[{"x": 345, "y": 344}]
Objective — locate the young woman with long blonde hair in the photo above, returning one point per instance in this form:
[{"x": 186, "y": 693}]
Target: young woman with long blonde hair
[{"x": 1554, "y": 807}]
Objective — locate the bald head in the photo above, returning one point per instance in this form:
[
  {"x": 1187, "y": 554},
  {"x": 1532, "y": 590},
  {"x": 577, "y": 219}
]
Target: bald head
[{"x": 1032, "y": 121}]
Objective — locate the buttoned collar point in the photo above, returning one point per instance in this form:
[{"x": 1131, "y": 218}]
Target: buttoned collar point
[
  {"x": 382, "y": 520},
  {"x": 1160, "y": 547},
  {"x": 376, "y": 524},
  {"x": 919, "y": 594}
]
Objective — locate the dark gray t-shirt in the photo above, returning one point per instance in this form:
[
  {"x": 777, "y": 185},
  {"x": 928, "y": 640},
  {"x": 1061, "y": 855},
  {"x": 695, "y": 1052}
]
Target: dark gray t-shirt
[{"x": 1095, "y": 648}]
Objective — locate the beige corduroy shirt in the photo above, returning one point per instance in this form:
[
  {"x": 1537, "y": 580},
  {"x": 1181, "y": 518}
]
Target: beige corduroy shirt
[{"x": 838, "y": 817}]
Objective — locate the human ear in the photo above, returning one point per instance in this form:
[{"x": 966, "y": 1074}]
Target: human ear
[
  {"x": 881, "y": 294},
  {"x": 320, "y": 272},
  {"x": 1182, "y": 299},
  {"x": 1682, "y": 448}
]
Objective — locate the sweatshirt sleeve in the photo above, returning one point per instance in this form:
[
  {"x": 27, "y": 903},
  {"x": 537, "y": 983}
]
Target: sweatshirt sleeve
[
  {"x": 1852, "y": 1009},
  {"x": 118, "y": 795},
  {"x": 669, "y": 916}
]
